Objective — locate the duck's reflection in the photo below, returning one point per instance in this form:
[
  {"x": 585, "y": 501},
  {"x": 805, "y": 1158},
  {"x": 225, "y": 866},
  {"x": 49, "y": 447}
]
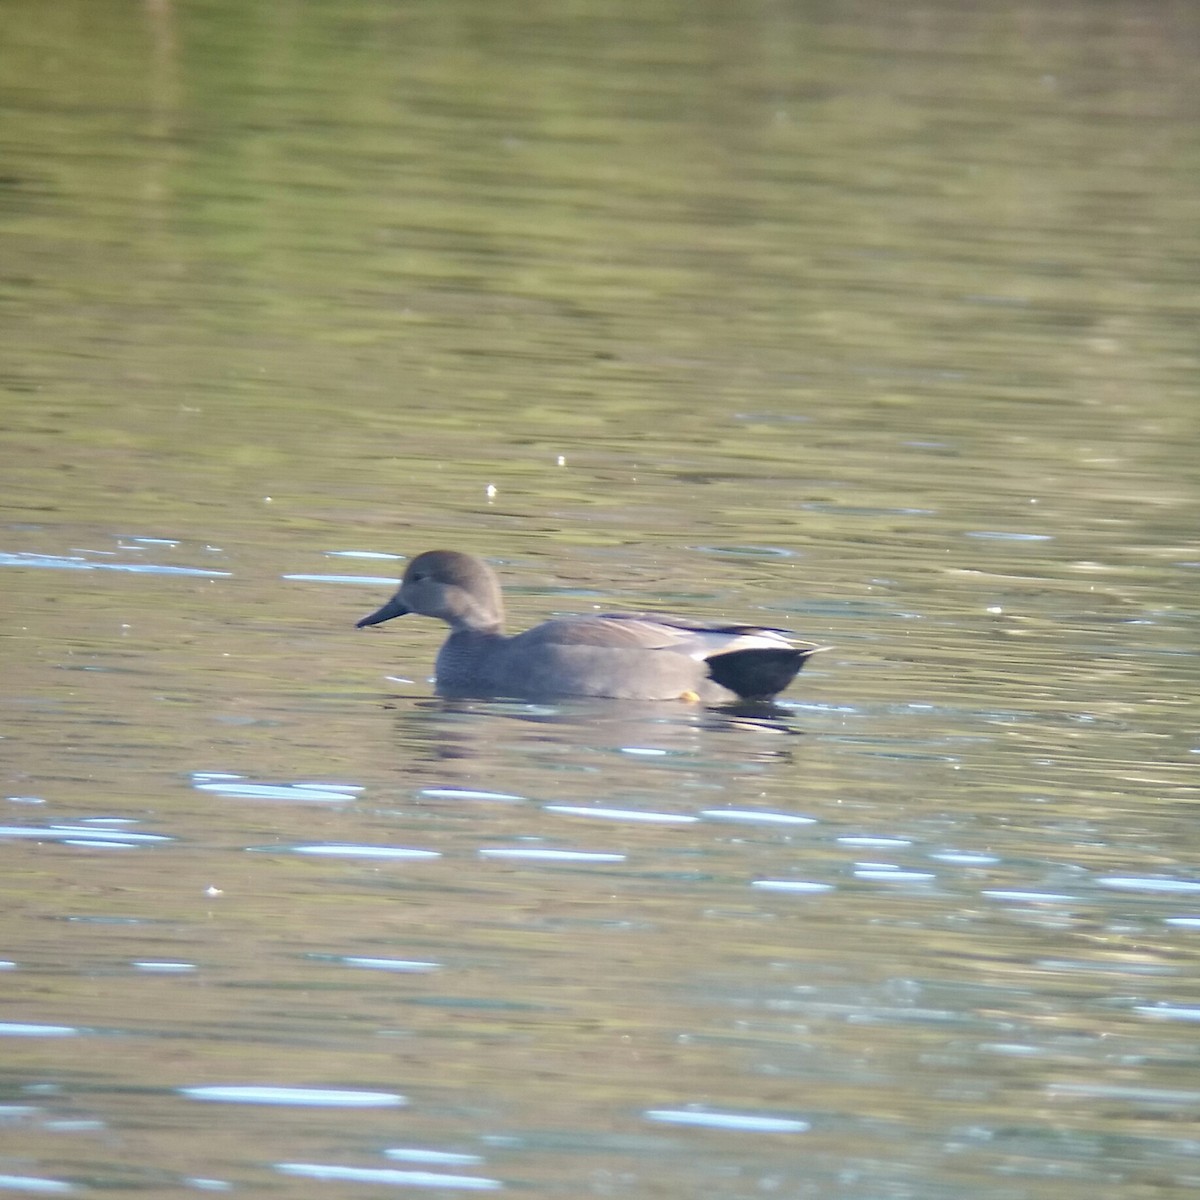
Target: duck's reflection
[{"x": 497, "y": 739}]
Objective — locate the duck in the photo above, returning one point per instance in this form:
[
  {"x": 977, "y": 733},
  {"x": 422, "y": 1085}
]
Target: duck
[{"x": 621, "y": 656}]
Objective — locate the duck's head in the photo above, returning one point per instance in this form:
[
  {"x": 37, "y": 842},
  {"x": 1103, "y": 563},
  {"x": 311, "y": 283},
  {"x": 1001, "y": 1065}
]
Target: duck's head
[{"x": 460, "y": 589}]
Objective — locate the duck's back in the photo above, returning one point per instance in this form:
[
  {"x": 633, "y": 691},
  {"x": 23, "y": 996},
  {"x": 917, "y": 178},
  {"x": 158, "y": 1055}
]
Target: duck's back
[
  {"x": 636, "y": 656},
  {"x": 623, "y": 657}
]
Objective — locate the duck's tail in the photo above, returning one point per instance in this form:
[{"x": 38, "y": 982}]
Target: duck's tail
[{"x": 759, "y": 674}]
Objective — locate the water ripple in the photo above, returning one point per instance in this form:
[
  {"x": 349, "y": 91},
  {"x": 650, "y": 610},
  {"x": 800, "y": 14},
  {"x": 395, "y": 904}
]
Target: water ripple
[
  {"x": 61, "y": 562},
  {"x": 293, "y": 1096},
  {"x": 735, "y": 1122},
  {"x": 389, "y": 1175},
  {"x": 621, "y": 814}
]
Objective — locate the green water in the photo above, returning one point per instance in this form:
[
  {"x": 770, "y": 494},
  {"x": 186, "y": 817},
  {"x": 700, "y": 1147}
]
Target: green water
[{"x": 872, "y": 320}]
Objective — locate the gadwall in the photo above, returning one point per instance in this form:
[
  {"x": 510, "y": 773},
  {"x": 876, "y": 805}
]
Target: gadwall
[{"x": 632, "y": 656}]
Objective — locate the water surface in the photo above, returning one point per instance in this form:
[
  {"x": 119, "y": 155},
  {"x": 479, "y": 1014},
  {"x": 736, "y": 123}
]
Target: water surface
[{"x": 873, "y": 322}]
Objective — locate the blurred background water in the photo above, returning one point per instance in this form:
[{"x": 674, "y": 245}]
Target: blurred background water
[{"x": 874, "y": 321}]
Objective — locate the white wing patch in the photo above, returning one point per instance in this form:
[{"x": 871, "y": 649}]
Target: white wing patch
[{"x": 702, "y": 644}]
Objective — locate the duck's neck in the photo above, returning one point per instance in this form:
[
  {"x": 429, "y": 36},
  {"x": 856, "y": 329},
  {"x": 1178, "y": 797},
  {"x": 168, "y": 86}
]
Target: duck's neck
[
  {"x": 476, "y": 625},
  {"x": 460, "y": 661},
  {"x": 476, "y": 615}
]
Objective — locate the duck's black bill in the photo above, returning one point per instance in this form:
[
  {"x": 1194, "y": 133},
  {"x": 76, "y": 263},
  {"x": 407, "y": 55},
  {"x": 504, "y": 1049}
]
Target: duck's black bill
[{"x": 393, "y": 608}]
